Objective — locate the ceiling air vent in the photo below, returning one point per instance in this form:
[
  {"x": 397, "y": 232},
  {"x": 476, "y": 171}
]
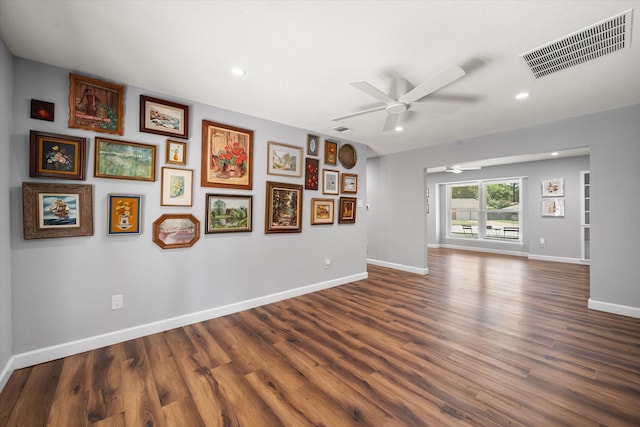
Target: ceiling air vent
[
  {"x": 341, "y": 129},
  {"x": 592, "y": 42}
]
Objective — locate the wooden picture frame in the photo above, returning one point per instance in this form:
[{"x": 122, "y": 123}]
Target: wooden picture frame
[
  {"x": 311, "y": 175},
  {"x": 124, "y": 213},
  {"x": 283, "y": 213},
  {"x": 171, "y": 231},
  {"x": 284, "y": 159},
  {"x": 322, "y": 211},
  {"x": 164, "y": 117},
  {"x": 227, "y": 156},
  {"x": 553, "y": 187},
  {"x": 95, "y": 105},
  {"x": 313, "y": 142},
  {"x": 330, "y": 181},
  {"x": 330, "y": 152},
  {"x": 347, "y": 156},
  {"x": 176, "y": 187},
  {"x": 347, "y": 211},
  {"x": 124, "y": 160},
  {"x": 52, "y": 155},
  {"x": 227, "y": 213},
  {"x": 56, "y": 210},
  {"x": 349, "y": 183},
  {"x": 43, "y": 110},
  {"x": 176, "y": 153}
]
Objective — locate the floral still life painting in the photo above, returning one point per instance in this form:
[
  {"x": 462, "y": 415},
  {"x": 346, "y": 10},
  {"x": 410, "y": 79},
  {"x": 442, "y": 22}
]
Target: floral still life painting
[
  {"x": 123, "y": 214},
  {"x": 311, "y": 174},
  {"x": 57, "y": 156},
  {"x": 226, "y": 156}
]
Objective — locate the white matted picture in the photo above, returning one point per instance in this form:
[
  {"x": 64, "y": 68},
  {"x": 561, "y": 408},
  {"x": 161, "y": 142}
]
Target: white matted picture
[
  {"x": 177, "y": 187},
  {"x": 553, "y": 187},
  {"x": 283, "y": 159},
  {"x": 330, "y": 181},
  {"x": 553, "y": 207}
]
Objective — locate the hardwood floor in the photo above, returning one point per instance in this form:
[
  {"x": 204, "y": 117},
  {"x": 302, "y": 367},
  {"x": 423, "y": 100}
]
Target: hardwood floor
[{"x": 483, "y": 340}]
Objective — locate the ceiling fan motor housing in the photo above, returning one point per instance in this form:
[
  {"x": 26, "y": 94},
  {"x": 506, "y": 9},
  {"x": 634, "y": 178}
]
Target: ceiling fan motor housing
[{"x": 396, "y": 108}]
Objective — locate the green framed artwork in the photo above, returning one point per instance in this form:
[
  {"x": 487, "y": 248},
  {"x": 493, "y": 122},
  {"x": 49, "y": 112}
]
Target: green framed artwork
[
  {"x": 228, "y": 213},
  {"x": 123, "y": 214},
  {"x": 124, "y": 160}
]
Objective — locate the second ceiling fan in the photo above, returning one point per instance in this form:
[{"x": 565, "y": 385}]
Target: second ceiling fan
[{"x": 395, "y": 107}]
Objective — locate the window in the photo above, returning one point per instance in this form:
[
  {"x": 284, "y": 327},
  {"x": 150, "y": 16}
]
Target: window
[{"x": 485, "y": 210}]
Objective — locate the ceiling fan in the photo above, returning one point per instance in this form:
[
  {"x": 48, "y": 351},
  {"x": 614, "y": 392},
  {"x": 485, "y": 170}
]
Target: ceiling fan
[
  {"x": 403, "y": 103},
  {"x": 459, "y": 169}
]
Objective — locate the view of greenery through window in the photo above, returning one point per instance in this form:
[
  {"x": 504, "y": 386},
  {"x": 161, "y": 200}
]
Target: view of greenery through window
[{"x": 485, "y": 210}]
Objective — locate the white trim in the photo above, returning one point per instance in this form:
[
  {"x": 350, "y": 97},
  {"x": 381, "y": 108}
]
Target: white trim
[
  {"x": 6, "y": 372},
  {"x": 46, "y": 354},
  {"x": 623, "y": 310},
  {"x": 487, "y": 250},
  {"x": 558, "y": 259},
  {"x": 433, "y": 245},
  {"x": 401, "y": 267}
]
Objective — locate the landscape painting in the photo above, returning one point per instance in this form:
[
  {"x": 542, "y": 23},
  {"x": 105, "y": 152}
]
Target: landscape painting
[{"x": 227, "y": 213}]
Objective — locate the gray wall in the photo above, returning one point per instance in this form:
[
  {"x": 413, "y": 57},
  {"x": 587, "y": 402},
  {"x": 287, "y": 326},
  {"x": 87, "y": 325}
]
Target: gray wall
[
  {"x": 6, "y": 91},
  {"x": 562, "y": 234},
  {"x": 62, "y": 287},
  {"x": 397, "y": 231}
]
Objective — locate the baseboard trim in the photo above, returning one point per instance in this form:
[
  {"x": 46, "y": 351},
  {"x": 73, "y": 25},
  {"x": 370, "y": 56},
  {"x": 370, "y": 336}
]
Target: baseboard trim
[
  {"x": 6, "y": 372},
  {"x": 47, "y": 354},
  {"x": 623, "y": 310},
  {"x": 558, "y": 259},
  {"x": 485, "y": 250},
  {"x": 401, "y": 267}
]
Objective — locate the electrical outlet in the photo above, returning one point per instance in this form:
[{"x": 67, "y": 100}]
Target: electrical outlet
[
  {"x": 327, "y": 263},
  {"x": 542, "y": 242},
  {"x": 117, "y": 302}
]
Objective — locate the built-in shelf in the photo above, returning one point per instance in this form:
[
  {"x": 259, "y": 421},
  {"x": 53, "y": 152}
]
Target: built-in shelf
[{"x": 585, "y": 214}]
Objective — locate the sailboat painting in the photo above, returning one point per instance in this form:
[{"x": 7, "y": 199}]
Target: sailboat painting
[{"x": 59, "y": 210}]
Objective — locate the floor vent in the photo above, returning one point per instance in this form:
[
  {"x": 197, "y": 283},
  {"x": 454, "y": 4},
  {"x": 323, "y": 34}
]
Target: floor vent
[{"x": 592, "y": 42}]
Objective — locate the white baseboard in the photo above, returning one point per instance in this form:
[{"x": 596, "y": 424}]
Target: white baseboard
[
  {"x": 433, "y": 245},
  {"x": 6, "y": 372},
  {"x": 623, "y": 310},
  {"x": 46, "y": 354},
  {"x": 558, "y": 259},
  {"x": 486, "y": 250},
  {"x": 401, "y": 267}
]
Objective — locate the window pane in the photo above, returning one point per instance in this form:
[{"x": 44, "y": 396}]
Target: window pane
[
  {"x": 464, "y": 205},
  {"x": 503, "y": 195},
  {"x": 503, "y": 225},
  {"x": 464, "y": 197}
]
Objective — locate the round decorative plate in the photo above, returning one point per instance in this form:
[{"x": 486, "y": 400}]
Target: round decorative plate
[{"x": 347, "y": 156}]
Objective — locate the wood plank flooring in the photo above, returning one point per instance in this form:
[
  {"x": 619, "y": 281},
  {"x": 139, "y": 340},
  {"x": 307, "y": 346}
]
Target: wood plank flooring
[{"x": 483, "y": 340}]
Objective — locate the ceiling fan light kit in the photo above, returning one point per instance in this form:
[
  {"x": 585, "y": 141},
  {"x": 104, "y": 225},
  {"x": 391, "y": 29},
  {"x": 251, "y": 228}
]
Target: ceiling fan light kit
[{"x": 396, "y": 107}]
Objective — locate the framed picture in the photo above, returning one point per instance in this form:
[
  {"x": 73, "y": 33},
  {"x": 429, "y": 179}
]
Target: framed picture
[
  {"x": 348, "y": 156},
  {"x": 330, "y": 181},
  {"x": 124, "y": 160},
  {"x": 322, "y": 211},
  {"x": 176, "y": 153},
  {"x": 177, "y": 187},
  {"x": 283, "y": 212},
  {"x": 349, "y": 183},
  {"x": 123, "y": 214},
  {"x": 56, "y": 156},
  {"x": 311, "y": 173},
  {"x": 42, "y": 110},
  {"x": 95, "y": 105},
  {"x": 164, "y": 117},
  {"x": 172, "y": 231},
  {"x": 227, "y": 154},
  {"x": 347, "y": 211},
  {"x": 553, "y": 207},
  {"x": 553, "y": 187},
  {"x": 228, "y": 213},
  {"x": 330, "y": 152},
  {"x": 312, "y": 145},
  {"x": 283, "y": 159},
  {"x": 57, "y": 210}
]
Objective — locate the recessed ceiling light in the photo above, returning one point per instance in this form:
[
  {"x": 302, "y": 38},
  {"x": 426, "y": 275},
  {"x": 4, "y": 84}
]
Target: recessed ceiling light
[
  {"x": 555, "y": 153},
  {"x": 398, "y": 129},
  {"x": 237, "y": 71},
  {"x": 522, "y": 95}
]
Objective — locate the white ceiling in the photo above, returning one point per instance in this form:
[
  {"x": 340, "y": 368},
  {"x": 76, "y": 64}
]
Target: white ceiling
[{"x": 300, "y": 56}]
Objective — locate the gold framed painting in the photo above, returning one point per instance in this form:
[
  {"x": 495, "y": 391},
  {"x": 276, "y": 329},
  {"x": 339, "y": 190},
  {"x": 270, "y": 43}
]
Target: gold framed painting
[
  {"x": 322, "y": 211},
  {"x": 95, "y": 105},
  {"x": 124, "y": 160},
  {"x": 57, "y": 210},
  {"x": 172, "y": 231},
  {"x": 52, "y": 155},
  {"x": 349, "y": 183},
  {"x": 227, "y": 156},
  {"x": 176, "y": 153},
  {"x": 347, "y": 210},
  {"x": 283, "y": 213}
]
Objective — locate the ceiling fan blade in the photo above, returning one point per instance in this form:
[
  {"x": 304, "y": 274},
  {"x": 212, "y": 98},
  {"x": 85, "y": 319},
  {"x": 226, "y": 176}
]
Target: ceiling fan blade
[
  {"x": 373, "y": 91},
  {"x": 439, "y": 81},
  {"x": 359, "y": 113},
  {"x": 391, "y": 122}
]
